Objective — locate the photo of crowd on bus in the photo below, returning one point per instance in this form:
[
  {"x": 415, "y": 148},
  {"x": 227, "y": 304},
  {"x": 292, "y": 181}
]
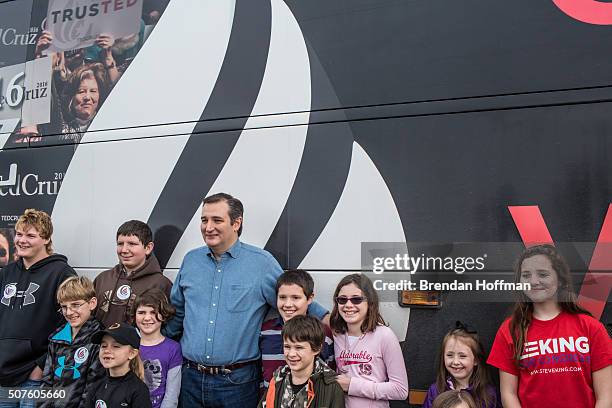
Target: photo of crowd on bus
[
  {"x": 137, "y": 340},
  {"x": 82, "y": 78},
  {"x": 6, "y": 245}
]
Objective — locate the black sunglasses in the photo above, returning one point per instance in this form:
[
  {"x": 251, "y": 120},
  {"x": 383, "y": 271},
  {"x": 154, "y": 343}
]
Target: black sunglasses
[{"x": 356, "y": 300}]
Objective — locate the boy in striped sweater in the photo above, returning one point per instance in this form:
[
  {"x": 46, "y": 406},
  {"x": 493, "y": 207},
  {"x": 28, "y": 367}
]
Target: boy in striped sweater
[{"x": 294, "y": 292}]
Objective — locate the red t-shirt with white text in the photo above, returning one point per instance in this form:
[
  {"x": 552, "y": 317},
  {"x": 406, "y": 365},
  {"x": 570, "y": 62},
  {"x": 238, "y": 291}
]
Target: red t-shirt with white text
[{"x": 558, "y": 360}]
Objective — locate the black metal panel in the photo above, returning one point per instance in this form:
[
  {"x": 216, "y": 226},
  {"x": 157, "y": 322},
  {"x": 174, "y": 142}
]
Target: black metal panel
[{"x": 379, "y": 52}]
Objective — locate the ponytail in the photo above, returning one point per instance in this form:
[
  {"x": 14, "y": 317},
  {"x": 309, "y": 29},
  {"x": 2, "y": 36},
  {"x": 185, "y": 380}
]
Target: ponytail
[{"x": 136, "y": 366}]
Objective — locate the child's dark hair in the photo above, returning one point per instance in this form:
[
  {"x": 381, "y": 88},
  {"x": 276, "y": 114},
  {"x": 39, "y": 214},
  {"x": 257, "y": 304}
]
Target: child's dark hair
[
  {"x": 523, "y": 310},
  {"x": 479, "y": 380},
  {"x": 373, "y": 318},
  {"x": 156, "y": 299},
  {"x": 297, "y": 277},
  {"x": 453, "y": 399},
  {"x": 305, "y": 328},
  {"x": 137, "y": 228}
]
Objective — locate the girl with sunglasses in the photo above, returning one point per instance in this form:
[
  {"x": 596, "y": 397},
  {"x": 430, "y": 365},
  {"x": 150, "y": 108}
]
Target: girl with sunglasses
[
  {"x": 550, "y": 352},
  {"x": 369, "y": 359}
]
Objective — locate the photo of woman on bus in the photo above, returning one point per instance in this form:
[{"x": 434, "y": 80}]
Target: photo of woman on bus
[
  {"x": 550, "y": 351},
  {"x": 83, "y": 95}
]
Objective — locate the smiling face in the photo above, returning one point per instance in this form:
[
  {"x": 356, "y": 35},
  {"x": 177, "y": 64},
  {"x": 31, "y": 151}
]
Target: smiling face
[
  {"x": 147, "y": 320},
  {"x": 291, "y": 301},
  {"x": 539, "y": 273},
  {"x": 29, "y": 245},
  {"x": 459, "y": 360},
  {"x": 115, "y": 356},
  {"x": 131, "y": 252},
  {"x": 77, "y": 312},
  {"x": 353, "y": 314},
  {"x": 85, "y": 101},
  {"x": 299, "y": 356},
  {"x": 218, "y": 231}
]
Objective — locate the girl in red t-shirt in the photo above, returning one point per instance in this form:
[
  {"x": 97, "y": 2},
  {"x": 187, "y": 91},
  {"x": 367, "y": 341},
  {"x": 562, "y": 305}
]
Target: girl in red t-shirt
[{"x": 551, "y": 352}]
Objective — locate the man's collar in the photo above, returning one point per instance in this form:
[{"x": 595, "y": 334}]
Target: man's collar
[{"x": 233, "y": 251}]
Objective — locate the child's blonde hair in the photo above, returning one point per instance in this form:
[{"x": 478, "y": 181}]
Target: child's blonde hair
[
  {"x": 75, "y": 288},
  {"x": 40, "y": 221},
  {"x": 136, "y": 365}
]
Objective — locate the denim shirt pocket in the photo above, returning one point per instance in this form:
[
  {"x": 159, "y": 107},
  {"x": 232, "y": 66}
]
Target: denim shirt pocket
[{"x": 240, "y": 297}]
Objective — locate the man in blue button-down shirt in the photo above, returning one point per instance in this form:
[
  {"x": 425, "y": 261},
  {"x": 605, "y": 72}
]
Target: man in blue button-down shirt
[{"x": 222, "y": 294}]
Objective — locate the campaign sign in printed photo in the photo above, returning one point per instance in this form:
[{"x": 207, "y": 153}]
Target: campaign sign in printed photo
[
  {"x": 77, "y": 23},
  {"x": 37, "y": 89},
  {"x": 11, "y": 91},
  {"x": 15, "y": 32},
  {"x": 25, "y": 92}
]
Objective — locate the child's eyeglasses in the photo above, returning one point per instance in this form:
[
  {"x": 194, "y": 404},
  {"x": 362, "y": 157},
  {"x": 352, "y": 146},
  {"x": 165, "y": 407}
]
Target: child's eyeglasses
[
  {"x": 74, "y": 307},
  {"x": 341, "y": 300}
]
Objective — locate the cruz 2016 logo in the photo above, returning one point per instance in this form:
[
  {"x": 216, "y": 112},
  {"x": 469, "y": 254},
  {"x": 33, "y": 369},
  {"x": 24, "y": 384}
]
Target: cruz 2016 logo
[
  {"x": 80, "y": 356},
  {"x": 124, "y": 292}
]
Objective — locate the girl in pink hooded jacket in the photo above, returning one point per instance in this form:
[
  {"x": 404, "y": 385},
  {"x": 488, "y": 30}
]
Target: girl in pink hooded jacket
[{"x": 369, "y": 359}]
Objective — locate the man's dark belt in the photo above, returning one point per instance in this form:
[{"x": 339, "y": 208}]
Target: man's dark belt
[{"x": 216, "y": 370}]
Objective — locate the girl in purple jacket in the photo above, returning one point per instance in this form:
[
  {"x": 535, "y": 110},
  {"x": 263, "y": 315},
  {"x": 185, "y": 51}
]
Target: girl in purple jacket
[{"x": 462, "y": 367}]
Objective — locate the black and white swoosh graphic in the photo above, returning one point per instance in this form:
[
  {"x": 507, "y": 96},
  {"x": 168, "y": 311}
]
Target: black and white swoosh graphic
[
  {"x": 301, "y": 184},
  {"x": 205, "y": 154}
]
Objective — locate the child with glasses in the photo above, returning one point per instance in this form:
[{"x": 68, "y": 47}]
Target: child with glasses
[
  {"x": 368, "y": 355},
  {"x": 72, "y": 362},
  {"x": 461, "y": 366}
]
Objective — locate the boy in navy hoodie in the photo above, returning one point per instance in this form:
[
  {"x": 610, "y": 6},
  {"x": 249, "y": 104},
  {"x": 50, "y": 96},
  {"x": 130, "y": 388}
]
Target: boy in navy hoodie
[{"x": 28, "y": 308}]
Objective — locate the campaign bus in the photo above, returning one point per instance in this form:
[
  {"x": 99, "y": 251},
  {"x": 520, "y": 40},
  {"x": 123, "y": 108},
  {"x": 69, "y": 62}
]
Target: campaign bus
[{"x": 424, "y": 143}]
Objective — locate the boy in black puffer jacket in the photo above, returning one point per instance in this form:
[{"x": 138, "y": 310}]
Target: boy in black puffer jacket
[{"x": 72, "y": 360}]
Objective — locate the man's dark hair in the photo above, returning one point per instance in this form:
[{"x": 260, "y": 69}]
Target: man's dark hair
[
  {"x": 236, "y": 210},
  {"x": 137, "y": 228},
  {"x": 305, "y": 328},
  {"x": 297, "y": 277}
]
